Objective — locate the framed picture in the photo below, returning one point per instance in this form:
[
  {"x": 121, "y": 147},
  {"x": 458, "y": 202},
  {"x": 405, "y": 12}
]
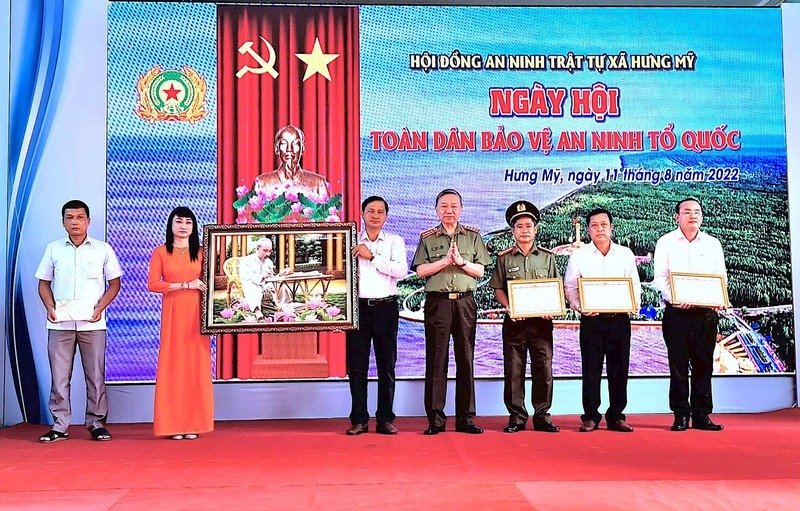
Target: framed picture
[
  {"x": 700, "y": 289},
  {"x": 606, "y": 294},
  {"x": 279, "y": 278},
  {"x": 536, "y": 298}
]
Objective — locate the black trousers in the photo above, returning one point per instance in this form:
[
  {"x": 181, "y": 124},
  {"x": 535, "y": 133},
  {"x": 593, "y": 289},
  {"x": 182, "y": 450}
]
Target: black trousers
[
  {"x": 377, "y": 323},
  {"x": 607, "y": 336},
  {"x": 443, "y": 318},
  {"x": 690, "y": 336},
  {"x": 521, "y": 338}
]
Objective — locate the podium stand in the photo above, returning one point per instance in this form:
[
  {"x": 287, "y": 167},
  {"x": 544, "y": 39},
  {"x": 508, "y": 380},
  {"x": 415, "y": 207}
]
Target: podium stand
[{"x": 290, "y": 355}]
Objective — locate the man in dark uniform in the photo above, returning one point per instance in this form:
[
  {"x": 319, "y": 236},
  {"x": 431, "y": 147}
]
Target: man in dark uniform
[
  {"x": 528, "y": 335},
  {"x": 451, "y": 257}
]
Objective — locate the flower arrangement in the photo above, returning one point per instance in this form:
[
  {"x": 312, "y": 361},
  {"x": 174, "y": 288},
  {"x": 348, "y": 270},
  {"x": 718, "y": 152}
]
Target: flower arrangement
[
  {"x": 315, "y": 309},
  {"x": 285, "y": 204},
  {"x": 237, "y": 312}
]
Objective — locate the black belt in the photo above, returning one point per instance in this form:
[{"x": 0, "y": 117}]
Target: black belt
[
  {"x": 691, "y": 311},
  {"x": 371, "y": 302},
  {"x": 455, "y": 295},
  {"x": 608, "y": 315}
]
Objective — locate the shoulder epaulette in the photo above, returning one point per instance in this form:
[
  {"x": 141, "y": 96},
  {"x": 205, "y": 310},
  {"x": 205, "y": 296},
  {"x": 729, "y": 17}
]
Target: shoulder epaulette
[
  {"x": 471, "y": 228},
  {"x": 506, "y": 251},
  {"x": 429, "y": 232},
  {"x": 545, "y": 250}
]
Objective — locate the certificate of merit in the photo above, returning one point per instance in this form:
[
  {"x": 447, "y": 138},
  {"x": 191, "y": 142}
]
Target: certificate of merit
[
  {"x": 536, "y": 298},
  {"x": 700, "y": 289},
  {"x": 607, "y": 295}
]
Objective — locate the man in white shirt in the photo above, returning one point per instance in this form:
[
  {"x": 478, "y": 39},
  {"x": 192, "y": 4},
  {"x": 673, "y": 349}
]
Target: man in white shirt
[
  {"x": 254, "y": 269},
  {"x": 381, "y": 263},
  {"x": 603, "y": 335},
  {"x": 690, "y": 332},
  {"x": 72, "y": 286}
]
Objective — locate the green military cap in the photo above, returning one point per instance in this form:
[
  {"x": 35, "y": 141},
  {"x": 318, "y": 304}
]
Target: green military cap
[{"x": 519, "y": 209}]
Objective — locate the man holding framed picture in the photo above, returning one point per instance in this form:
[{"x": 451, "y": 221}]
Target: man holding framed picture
[
  {"x": 690, "y": 331},
  {"x": 381, "y": 259},
  {"x": 603, "y": 335}
]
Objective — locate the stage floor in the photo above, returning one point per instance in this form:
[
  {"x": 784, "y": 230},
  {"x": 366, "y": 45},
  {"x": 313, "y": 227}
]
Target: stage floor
[{"x": 753, "y": 464}]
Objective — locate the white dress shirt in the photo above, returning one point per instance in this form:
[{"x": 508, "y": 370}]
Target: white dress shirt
[
  {"x": 588, "y": 261},
  {"x": 252, "y": 272},
  {"x": 674, "y": 253},
  {"x": 378, "y": 278},
  {"x": 78, "y": 273}
]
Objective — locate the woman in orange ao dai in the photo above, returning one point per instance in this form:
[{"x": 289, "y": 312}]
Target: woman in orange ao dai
[{"x": 184, "y": 400}]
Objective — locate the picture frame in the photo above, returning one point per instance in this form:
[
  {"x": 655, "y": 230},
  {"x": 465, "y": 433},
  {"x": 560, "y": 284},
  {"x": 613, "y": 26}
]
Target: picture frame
[
  {"x": 534, "y": 298},
  {"x": 304, "y": 279},
  {"x": 607, "y": 295},
  {"x": 699, "y": 289}
]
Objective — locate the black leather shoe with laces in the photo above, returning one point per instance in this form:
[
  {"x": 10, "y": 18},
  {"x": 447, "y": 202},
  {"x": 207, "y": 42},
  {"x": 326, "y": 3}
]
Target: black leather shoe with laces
[
  {"x": 472, "y": 429},
  {"x": 704, "y": 422},
  {"x": 547, "y": 427},
  {"x": 681, "y": 423},
  {"x": 433, "y": 430},
  {"x": 357, "y": 429}
]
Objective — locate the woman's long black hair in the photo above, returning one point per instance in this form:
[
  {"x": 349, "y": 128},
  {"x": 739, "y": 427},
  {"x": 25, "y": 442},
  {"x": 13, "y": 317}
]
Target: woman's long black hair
[{"x": 194, "y": 237}]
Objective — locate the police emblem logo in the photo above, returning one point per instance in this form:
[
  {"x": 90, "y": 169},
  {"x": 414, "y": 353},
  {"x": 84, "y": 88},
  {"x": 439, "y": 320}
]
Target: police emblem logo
[
  {"x": 171, "y": 95},
  {"x": 520, "y": 207}
]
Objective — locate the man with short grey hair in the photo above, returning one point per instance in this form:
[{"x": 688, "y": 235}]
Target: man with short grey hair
[{"x": 451, "y": 257}]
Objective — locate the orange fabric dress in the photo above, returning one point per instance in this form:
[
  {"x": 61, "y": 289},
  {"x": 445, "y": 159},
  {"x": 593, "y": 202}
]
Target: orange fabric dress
[{"x": 184, "y": 401}]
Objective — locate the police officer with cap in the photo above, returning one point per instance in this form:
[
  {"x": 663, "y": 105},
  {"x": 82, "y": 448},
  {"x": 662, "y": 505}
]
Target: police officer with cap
[
  {"x": 532, "y": 336},
  {"x": 450, "y": 257}
]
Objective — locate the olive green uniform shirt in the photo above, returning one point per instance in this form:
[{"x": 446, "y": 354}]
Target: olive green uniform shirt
[
  {"x": 433, "y": 246},
  {"x": 512, "y": 264}
]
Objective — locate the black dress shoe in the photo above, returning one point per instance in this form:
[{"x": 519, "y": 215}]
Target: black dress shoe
[
  {"x": 681, "y": 423},
  {"x": 514, "y": 428},
  {"x": 621, "y": 426},
  {"x": 433, "y": 430},
  {"x": 386, "y": 428},
  {"x": 704, "y": 422},
  {"x": 472, "y": 429},
  {"x": 588, "y": 426},
  {"x": 357, "y": 429},
  {"x": 547, "y": 427}
]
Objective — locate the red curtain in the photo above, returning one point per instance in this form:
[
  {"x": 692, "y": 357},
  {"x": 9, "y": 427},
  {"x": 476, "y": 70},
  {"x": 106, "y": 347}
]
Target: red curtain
[{"x": 252, "y": 107}]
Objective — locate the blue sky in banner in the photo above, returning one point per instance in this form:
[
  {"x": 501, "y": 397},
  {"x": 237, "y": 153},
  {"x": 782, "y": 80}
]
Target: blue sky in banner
[{"x": 737, "y": 81}]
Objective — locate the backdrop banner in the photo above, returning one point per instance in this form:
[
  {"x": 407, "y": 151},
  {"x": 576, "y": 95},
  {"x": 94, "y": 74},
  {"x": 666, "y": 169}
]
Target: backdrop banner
[{"x": 628, "y": 109}]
